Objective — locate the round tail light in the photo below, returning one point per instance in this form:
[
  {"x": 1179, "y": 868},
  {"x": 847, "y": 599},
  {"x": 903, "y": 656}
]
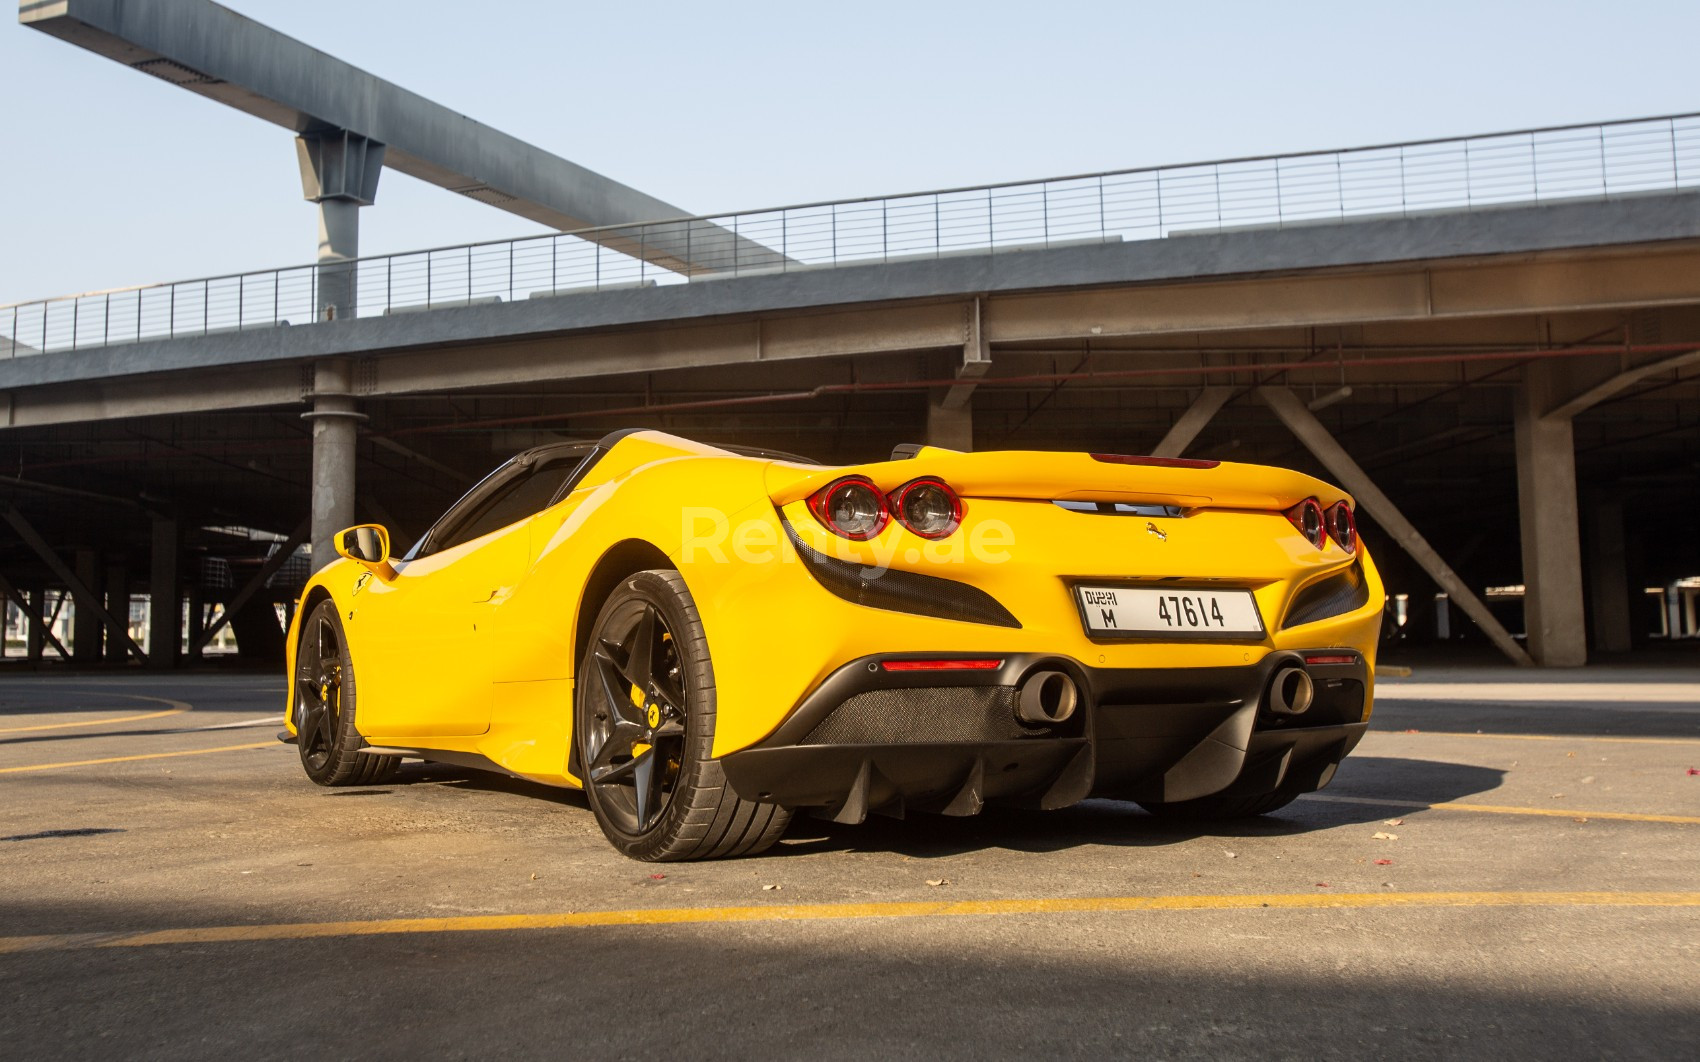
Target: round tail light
[
  {"x": 1307, "y": 517},
  {"x": 1343, "y": 526},
  {"x": 851, "y": 507},
  {"x": 927, "y": 507}
]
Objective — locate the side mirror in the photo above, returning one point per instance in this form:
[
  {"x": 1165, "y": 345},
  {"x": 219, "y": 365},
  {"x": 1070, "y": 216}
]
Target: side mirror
[{"x": 367, "y": 545}]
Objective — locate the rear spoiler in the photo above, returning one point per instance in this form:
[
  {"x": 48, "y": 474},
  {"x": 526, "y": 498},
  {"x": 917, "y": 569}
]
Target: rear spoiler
[{"x": 1052, "y": 476}]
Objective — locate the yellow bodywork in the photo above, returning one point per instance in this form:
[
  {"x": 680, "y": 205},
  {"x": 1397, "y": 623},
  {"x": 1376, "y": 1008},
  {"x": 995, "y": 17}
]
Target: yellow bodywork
[{"x": 473, "y": 649}]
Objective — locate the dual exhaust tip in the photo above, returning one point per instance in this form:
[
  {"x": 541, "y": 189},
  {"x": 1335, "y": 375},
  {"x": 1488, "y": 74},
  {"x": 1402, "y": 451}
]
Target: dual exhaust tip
[
  {"x": 1291, "y": 692},
  {"x": 1047, "y": 698}
]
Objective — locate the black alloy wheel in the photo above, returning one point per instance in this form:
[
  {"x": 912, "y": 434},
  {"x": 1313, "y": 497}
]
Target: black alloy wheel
[
  {"x": 636, "y": 732},
  {"x": 324, "y": 707},
  {"x": 644, "y": 732}
]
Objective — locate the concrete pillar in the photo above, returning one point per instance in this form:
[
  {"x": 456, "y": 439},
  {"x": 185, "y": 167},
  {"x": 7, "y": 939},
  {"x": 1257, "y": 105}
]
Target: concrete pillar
[
  {"x": 86, "y": 626},
  {"x": 1608, "y": 577},
  {"x": 951, "y": 428},
  {"x": 164, "y": 613},
  {"x": 1546, "y": 499},
  {"x": 334, "y": 418},
  {"x": 117, "y": 599},
  {"x": 35, "y": 640},
  {"x": 339, "y": 172}
]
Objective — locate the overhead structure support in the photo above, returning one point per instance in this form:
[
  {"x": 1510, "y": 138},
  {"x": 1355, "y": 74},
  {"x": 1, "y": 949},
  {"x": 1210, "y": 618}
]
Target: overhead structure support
[
  {"x": 334, "y": 420},
  {"x": 1197, "y": 416},
  {"x": 1608, "y": 577},
  {"x": 39, "y": 631},
  {"x": 165, "y": 613},
  {"x": 1548, "y": 516},
  {"x": 948, "y": 426},
  {"x": 1315, "y": 437},
  {"x": 214, "y": 52},
  {"x": 80, "y": 592},
  {"x": 339, "y": 172},
  {"x": 285, "y": 550}
]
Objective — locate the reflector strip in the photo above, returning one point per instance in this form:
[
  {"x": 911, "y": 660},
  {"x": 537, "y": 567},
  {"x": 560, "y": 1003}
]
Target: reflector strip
[
  {"x": 941, "y": 665},
  {"x": 1337, "y": 659}
]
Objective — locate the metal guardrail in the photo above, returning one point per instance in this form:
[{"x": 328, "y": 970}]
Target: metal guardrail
[{"x": 1469, "y": 173}]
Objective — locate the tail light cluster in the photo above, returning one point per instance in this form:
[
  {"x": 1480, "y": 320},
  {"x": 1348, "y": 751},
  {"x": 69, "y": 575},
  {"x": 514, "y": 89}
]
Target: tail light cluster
[
  {"x": 854, "y": 508},
  {"x": 1318, "y": 524}
]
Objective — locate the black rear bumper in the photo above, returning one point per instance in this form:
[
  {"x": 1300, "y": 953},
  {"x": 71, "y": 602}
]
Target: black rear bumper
[{"x": 871, "y": 739}]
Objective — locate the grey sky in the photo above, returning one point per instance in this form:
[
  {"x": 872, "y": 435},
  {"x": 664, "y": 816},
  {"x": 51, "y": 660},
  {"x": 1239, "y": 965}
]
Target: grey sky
[{"x": 113, "y": 178}]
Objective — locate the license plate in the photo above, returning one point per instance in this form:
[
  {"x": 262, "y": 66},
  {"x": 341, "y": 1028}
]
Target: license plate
[{"x": 1144, "y": 611}]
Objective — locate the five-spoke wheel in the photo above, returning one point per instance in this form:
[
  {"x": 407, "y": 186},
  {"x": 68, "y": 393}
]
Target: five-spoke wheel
[
  {"x": 645, "y": 732},
  {"x": 324, "y": 706}
]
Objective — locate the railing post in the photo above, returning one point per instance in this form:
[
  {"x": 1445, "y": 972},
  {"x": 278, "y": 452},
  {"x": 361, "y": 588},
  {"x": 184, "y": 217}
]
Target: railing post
[
  {"x": 106, "y": 321},
  {"x": 991, "y": 223},
  {"x": 241, "y": 299},
  {"x": 171, "y": 313},
  {"x": 734, "y": 245},
  {"x": 1339, "y": 183},
  {"x": 835, "y": 234},
  {"x": 1404, "y": 207},
  {"x": 885, "y": 229},
  {"x": 1216, "y": 175},
  {"x": 554, "y": 248},
  {"x": 277, "y": 307},
  {"x": 1675, "y": 173},
  {"x": 76, "y": 306},
  {"x": 1469, "y": 189},
  {"x": 427, "y": 280},
  {"x": 1045, "y": 211},
  {"x": 1534, "y": 168},
  {"x": 206, "y": 306},
  {"x": 510, "y": 271},
  {"x": 389, "y": 283},
  {"x": 1103, "y": 229},
  {"x": 138, "y": 315},
  {"x": 1605, "y": 185},
  {"x": 938, "y": 236},
  {"x": 643, "y": 252},
  {"x": 1280, "y": 211},
  {"x": 1160, "y": 203},
  {"x": 469, "y": 274}
]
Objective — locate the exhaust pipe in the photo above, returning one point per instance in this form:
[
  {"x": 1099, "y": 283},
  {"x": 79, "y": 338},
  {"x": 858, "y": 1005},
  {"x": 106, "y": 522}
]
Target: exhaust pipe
[
  {"x": 1047, "y": 698},
  {"x": 1291, "y": 691}
]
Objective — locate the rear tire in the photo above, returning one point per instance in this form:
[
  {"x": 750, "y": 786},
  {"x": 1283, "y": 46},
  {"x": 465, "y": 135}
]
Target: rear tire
[
  {"x": 325, "y": 734},
  {"x": 1220, "y": 808},
  {"x": 643, "y": 727}
]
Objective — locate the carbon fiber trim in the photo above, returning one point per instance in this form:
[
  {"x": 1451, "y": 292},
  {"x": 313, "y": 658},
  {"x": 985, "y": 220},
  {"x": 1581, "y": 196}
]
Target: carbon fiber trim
[
  {"x": 899, "y": 591},
  {"x": 1336, "y": 595}
]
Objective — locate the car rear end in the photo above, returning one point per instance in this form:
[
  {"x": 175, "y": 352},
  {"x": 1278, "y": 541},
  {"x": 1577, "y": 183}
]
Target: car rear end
[{"x": 1042, "y": 627}]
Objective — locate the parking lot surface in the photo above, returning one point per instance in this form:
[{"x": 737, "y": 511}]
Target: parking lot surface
[{"x": 1508, "y": 867}]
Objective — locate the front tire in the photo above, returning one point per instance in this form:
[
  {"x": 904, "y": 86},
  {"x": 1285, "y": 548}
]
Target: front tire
[
  {"x": 644, "y": 714},
  {"x": 324, "y": 707}
]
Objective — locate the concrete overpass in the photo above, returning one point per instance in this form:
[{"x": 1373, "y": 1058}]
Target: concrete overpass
[{"x": 1474, "y": 336}]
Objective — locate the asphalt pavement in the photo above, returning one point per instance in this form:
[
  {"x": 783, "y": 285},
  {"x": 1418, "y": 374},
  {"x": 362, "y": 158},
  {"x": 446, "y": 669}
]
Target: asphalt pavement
[{"x": 1507, "y": 868}]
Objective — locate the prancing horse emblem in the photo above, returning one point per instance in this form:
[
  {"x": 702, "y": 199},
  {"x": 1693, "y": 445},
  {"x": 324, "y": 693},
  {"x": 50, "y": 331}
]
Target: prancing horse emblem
[{"x": 1155, "y": 530}]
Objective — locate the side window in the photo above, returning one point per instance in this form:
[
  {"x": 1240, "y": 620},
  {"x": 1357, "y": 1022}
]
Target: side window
[{"x": 525, "y": 496}]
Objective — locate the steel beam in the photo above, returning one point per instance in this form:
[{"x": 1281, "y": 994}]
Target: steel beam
[
  {"x": 1197, "y": 416},
  {"x": 214, "y": 52},
  {"x": 253, "y": 586},
  {"x": 1316, "y": 438},
  {"x": 80, "y": 591},
  {"x": 38, "y": 627},
  {"x": 1605, "y": 389}
]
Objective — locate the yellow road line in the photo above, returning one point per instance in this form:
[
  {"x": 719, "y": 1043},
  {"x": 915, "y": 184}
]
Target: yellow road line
[
  {"x": 128, "y": 759},
  {"x": 1544, "y": 737},
  {"x": 829, "y": 911},
  {"x": 1497, "y": 809},
  {"x": 176, "y": 708}
]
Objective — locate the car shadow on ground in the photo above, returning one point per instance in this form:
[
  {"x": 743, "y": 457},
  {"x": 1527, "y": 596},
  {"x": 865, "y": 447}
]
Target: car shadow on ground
[
  {"x": 1125, "y": 824},
  {"x": 1092, "y": 822}
]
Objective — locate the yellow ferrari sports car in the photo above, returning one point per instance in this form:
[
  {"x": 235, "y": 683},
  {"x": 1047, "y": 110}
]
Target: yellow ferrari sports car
[{"x": 708, "y": 640}]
